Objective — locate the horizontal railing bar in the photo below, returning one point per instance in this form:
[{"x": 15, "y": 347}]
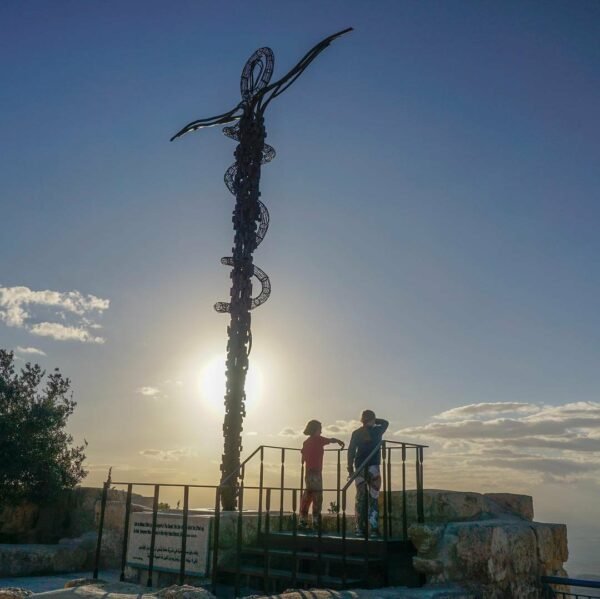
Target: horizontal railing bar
[
  {"x": 573, "y": 582},
  {"x": 166, "y": 485},
  {"x": 404, "y": 443},
  {"x": 247, "y": 487}
]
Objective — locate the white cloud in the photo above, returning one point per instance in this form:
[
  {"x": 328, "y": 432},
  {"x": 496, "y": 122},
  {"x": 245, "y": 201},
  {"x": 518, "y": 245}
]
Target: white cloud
[
  {"x": 60, "y": 332},
  {"x": 484, "y": 409},
  {"x": 544, "y": 442},
  {"x": 290, "y": 432},
  {"x": 341, "y": 427},
  {"x": 21, "y": 307},
  {"x": 30, "y": 351},
  {"x": 167, "y": 455},
  {"x": 148, "y": 391}
]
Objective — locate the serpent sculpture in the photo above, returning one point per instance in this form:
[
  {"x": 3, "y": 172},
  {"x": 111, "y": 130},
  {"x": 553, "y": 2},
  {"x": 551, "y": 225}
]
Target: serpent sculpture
[{"x": 250, "y": 225}]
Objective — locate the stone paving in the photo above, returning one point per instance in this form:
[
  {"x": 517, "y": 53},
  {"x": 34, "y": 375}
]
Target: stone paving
[{"x": 41, "y": 584}]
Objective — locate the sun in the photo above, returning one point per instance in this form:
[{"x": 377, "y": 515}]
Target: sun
[{"x": 212, "y": 383}]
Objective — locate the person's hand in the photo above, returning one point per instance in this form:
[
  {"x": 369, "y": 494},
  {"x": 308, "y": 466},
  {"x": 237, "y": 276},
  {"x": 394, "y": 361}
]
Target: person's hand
[
  {"x": 350, "y": 471},
  {"x": 341, "y": 444}
]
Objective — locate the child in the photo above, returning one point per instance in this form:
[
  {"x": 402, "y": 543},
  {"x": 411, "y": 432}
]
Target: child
[{"x": 312, "y": 457}]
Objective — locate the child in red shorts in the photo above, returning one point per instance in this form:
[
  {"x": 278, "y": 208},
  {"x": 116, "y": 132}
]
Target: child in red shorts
[{"x": 312, "y": 457}]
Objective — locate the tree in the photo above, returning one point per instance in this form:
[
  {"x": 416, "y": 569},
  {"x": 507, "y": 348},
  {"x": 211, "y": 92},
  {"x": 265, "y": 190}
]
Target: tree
[{"x": 37, "y": 458}]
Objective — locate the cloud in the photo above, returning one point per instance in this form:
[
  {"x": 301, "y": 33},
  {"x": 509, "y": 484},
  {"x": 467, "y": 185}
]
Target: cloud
[
  {"x": 148, "y": 391},
  {"x": 341, "y": 427},
  {"x": 290, "y": 432},
  {"x": 547, "y": 421},
  {"x": 483, "y": 409},
  {"x": 30, "y": 351},
  {"x": 167, "y": 455},
  {"x": 60, "y": 332},
  {"x": 560, "y": 442},
  {"x": 24, "y": 308}
]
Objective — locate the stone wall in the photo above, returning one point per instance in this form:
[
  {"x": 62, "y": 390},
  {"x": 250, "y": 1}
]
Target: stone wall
[
  {"x": 61, "y": 537},
  {"x": 72, "y": 515},
  {"x": 486, "y": 542}
]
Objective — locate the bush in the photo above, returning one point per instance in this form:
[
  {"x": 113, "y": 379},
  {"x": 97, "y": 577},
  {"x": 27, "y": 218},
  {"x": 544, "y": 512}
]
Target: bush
[{"x": 37, "y": 459}]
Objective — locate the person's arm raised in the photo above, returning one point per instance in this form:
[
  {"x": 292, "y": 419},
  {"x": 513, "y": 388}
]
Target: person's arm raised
[{"x": 382, "y": 423}]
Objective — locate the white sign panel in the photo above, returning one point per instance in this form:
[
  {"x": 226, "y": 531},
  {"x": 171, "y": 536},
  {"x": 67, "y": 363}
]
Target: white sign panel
[{"x": 167, "y": 542}]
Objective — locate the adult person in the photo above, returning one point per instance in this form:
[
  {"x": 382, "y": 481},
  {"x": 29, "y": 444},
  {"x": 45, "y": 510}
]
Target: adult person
[{"x": 362, "y": 443}]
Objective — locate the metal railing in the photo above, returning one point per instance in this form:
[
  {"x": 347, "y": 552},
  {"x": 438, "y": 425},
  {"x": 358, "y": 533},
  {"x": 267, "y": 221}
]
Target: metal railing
[
  {"x": 549, "y": 592},
  {"x": 264, "y": 511}
]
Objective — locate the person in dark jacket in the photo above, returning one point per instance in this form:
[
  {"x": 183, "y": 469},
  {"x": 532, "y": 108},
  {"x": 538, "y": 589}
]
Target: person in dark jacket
[{"x": 363, "y": 443}]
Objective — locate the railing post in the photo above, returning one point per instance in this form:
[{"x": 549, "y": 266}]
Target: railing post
[
  {"x": 385, "y": 491},
  {"x": 215, "y": 560},
  {"x": 261, "y": 477},
  {"x": 267, "y": 531},
  {"x": 338, "y": 485},
  {"x": 105, "y": 488},
  {"x": 153, "y": 534},
  {"x": 319, "y": 544},
  {"x": 282, "y": 485},
  {"x": 420, "y": 510},
  {"x": 295, "y": 536},
  {"x": 367, "y": 501},
  {"x": 238, "y": 544},
  {"x": 126, "y": 532},
  {"x": 344, "y": 547},
  {"x": 184, "y": 526},
  {"x": 404, "y": 514},
  {"x": 389, "y": 493}
]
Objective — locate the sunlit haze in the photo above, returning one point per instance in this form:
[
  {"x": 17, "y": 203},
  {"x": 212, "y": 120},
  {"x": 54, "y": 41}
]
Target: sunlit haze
[{"x": 433, "y": 244}]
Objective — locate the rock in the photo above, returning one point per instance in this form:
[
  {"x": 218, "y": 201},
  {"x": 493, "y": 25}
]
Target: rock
[
  {"x": 441, "y": 506},
  {"x": 552, "y": 547},
  {"x": 17, "y": 520},
  {"x": 500, "y": 557},
  {"x": 425, "y": 537},
  {"x": 184, "y": 592},
  {"x": 428, "y": 566},
  {"x": 30, "y": 560},
  {"x": 438, "y": 506},
  {"x": 80, "y": 582},
  {"x": 14, "y": 593},
  {"x": 519, "y": 505},
  {"x": 432, "y": 592}
]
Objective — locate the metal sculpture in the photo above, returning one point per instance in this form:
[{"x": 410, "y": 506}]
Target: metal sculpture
[{"x": 250, "y": 224}]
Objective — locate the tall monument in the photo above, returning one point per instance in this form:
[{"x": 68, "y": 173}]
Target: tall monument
[{"x": 250, "y": 224}]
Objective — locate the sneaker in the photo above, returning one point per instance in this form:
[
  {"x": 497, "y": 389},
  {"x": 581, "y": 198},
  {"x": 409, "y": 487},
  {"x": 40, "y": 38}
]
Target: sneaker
[
  {"x": 374, "y": 534},
  {"x": 304, "y": 527}
]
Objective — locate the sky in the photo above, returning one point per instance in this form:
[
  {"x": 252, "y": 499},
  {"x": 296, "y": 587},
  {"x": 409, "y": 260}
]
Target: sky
[{"x": 433, "y": 245}]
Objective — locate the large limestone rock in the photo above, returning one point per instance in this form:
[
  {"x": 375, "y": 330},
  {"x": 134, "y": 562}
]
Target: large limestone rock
[
  {"x": 491, "y": 545},
  {"x": 29, "y": 560},
  {"x": 16, "y": 521},
  {"x": 456, "y": 506},
  {"x": 14, "y": 593}
]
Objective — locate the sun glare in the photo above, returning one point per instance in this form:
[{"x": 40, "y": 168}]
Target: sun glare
[{"x": 212, "y": 383}]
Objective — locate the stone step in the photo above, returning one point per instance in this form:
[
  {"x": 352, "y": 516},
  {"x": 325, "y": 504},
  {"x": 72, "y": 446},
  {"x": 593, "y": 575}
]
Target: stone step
[
  {"x": 313, "y": 555},
  {"x": 279, "y": 574}
]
